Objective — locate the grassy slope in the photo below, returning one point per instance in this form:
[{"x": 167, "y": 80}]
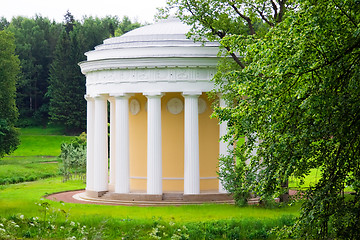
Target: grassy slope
[
  {"x": 36, "y": 141},
  {"x": 27, "y": 162}
]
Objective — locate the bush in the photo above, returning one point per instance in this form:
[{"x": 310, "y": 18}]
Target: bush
[{"x": 73, "y": 155}]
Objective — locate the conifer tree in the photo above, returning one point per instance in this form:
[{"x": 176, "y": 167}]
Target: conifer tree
[{"x": 67, "y": 84}]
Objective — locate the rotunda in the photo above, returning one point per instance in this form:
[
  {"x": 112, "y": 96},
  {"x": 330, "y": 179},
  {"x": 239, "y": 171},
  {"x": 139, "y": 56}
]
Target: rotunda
[{"x": 162, "y": 139}]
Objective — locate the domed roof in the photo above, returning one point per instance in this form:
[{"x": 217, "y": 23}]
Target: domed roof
[
  {"x": 166, "y": 38},
  {"x": 168, "y": 32},
  {"x": 153, "y": 58}
]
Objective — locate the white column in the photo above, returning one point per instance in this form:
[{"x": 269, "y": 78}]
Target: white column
[
  {"x": 122, "y": 172},
  {"x": 100, "y": 145},
  {"x": 223, "y": 148},
  {"x": 191, "y": 154},
  {"x": 154, "y": 158},
  {"x": 112, "y": 141},
  {"x": 90, "y": 143}
]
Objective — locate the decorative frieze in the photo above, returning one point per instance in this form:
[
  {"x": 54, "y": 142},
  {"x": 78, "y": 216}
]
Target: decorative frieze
[{"x": 121, "y": 76}]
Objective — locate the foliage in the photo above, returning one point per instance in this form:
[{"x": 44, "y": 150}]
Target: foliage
[
  {"x": 73, "y": 157},
  {"x": 35, "y": 41},
  {"x": 125, "y": 26},
  {"x": 9, "y": 70},
  {"x": 47, "y": 226},
  {"x": 65, "y": 76},
  {"x": 294, "y": 93}
]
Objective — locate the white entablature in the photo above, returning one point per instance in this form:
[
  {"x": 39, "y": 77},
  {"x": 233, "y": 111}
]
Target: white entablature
[{"x": 156, "y": 57}]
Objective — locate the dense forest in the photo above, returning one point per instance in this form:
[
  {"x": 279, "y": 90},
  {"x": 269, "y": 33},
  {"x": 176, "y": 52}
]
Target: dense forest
[{"x": 49, "y": 53}]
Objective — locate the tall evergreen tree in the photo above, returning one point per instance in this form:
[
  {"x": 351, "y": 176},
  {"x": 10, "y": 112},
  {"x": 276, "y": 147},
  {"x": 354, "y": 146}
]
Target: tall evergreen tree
[
  {"x": 9, "y": 70},
  {"x": 67, "y": 84}
]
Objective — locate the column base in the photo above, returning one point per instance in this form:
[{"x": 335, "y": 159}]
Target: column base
[{"x": 95, "y": 194}]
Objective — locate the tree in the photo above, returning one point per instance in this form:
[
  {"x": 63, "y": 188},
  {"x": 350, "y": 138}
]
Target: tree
[
  {"x": 65, "y": 77},
  {"x": 3, "y": 23},
  {"x": 295, "y": 86},
  {"x": 77, "y": 38},
  {"x": 9, "y": 70},
  {"x": 126, "y": 25},
  {"x": 34, "y": 39}
]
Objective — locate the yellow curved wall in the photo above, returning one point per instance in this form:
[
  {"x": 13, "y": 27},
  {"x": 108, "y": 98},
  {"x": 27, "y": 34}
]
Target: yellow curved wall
[{"x": 172, "y": 127}]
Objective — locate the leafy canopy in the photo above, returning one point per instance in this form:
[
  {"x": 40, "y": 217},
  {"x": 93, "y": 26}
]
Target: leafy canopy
[
  {"x": 9, "y": 70},
  {"x": 293, "y": 91}
]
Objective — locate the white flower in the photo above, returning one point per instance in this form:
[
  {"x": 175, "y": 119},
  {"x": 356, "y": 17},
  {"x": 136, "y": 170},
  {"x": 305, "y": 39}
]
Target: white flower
[
  {"x": 2, "y": 230},
  {"x": 72, "y": 223},
  {"x": 21, "y": 217}
]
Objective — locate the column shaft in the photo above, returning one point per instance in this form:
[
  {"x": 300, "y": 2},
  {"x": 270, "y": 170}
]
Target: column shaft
[
  {"x": 100, "y": 145},
  {"x": 154, "y": 154},
  {"x": 112, "y": 141},
  {"x": 122, "y": 178},
  {"x": 191, "y": 154},
  {"x": 90, "y": 144},
  {"x": 223, "y": 148}
]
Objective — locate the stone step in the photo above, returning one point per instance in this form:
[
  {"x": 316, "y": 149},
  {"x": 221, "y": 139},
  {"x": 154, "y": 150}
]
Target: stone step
[{"x": 173, "y": 197}]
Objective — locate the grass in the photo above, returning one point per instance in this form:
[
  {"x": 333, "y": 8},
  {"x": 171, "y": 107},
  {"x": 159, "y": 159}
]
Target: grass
[
  {"x": 206, "y": 221},
  {"x": 19, "y": 203},
  {"x": 21, "y": 198},
  {"x": 22, "y": 169},
  {"x": 35, "y": 158},
  {"x": 51, "y": 130},
  {"x": 309, "y": 180},
  {"x": 37, "y": 141}
]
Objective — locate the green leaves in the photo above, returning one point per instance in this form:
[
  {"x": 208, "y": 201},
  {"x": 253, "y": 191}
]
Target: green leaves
[
  {"x": 293, "y": 90},
  {"x": 9, "y": 70}
]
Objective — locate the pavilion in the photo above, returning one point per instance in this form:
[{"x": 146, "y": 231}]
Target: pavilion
[{"x": 161, "y": 138}]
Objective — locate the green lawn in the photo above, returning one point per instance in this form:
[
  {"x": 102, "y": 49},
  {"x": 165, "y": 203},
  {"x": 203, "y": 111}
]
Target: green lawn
[
  {"x": 21, "y": 198},
  {"x": 19, "y": 203},
  {"x": 37, "y": 141},
  {"x": 36, "y": 156},
  {"x": 22, "y": 169}
]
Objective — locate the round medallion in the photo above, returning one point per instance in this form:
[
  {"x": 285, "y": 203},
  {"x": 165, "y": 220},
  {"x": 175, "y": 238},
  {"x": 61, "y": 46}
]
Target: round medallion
[
  {"x": 201, "y": 105},
  {"x": 175, "y": 106},
  {"x": 134, "y": 106}
]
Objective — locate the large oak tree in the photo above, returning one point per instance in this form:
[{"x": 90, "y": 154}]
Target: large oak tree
[{"x": 293, "y": 83}]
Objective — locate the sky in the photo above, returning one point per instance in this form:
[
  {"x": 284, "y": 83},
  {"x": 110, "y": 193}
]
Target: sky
[{"x": 140, "y": 10}]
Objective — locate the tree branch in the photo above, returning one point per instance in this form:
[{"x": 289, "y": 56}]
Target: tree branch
[
  {"x": 263, "y": 17},
  {"x": 281, "y": 11},
  {"x": 220, "y": 34},
  {"x": 247, "y": 19},
  {"x": 344, "y": 12},
  {"x": 274, "y": 8}
]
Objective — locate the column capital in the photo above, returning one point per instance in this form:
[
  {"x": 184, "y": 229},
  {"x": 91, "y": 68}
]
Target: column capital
[
  {"x": 191, "y": 94},
  {"x": 153, "y": 94},
  {"x": 88, "y": 97},
  {"x": 121, "y": 95},
  {"x": 101, "y": 96}
]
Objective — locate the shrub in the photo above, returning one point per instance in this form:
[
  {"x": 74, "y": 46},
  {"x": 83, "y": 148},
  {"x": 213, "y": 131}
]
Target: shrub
[{"x": 73, "y": 155}]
